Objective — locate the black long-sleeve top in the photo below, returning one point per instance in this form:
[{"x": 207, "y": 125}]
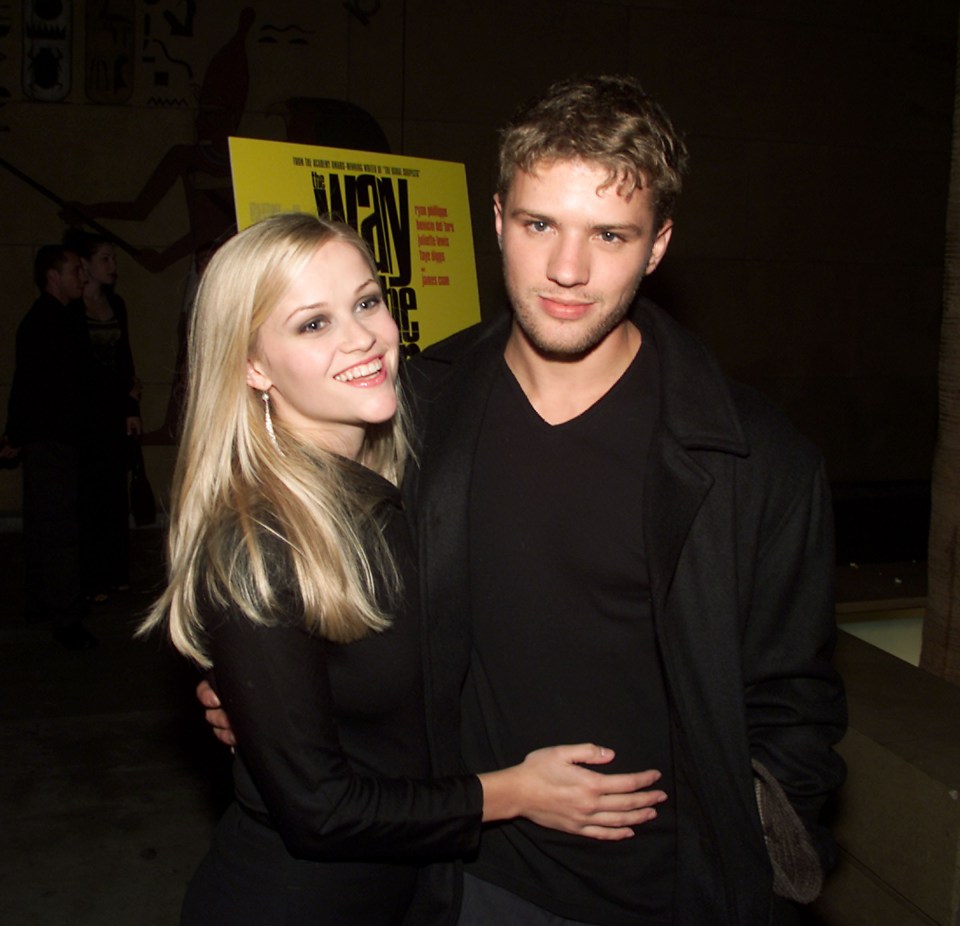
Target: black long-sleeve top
[
  {"x": 332, "y": 749},
  {"x": 112, "y": 375}
]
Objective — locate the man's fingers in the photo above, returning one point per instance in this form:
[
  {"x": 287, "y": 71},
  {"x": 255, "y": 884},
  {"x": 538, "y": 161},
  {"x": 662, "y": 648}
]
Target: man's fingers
[
  {"x": 225, "y": 736},
  {"x": 217, "y": 718},
  {"x": 206, "y": 695}
]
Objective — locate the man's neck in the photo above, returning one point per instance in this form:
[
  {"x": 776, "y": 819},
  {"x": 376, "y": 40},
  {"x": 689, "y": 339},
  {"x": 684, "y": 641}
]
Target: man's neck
[
  {"x": 562, "y": 388},
  {"x": 56, "y": 296}
]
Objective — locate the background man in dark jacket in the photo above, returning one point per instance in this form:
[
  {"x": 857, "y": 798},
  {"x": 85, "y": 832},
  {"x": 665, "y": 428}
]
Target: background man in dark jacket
[{"x": 44, "y": 420}]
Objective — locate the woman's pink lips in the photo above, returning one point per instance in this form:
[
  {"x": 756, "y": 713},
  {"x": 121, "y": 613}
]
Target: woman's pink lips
[
  {"x": 374, "y": 379},
  {"x": 371, "y": 379}
]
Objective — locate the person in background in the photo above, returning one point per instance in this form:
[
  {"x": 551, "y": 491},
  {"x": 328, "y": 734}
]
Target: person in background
[
  {"x": 111, "y": 422},
  {"x": 292, "y": 572},
  {"x": 45, "y": 427}
]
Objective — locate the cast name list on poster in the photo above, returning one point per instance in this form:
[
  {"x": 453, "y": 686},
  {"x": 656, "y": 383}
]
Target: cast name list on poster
[
  {"x": 429, "y": 218},
  {"x": 431, "y": 221}
]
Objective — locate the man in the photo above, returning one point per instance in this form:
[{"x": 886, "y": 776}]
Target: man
[
  {"x": 619, "y": 545},
  {"x": 44, "y": 423}
]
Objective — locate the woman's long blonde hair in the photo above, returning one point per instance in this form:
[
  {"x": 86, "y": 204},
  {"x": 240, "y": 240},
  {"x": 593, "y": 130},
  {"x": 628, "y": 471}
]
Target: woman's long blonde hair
[{"x": 237, "y": 497}]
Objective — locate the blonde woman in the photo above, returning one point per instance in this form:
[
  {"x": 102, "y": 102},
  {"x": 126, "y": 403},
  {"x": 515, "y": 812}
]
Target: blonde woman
[{"x": 292, "y": 573}]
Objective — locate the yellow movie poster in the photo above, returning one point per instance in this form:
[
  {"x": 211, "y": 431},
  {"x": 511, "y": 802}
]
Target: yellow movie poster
[{"x": 412, "y": 212}]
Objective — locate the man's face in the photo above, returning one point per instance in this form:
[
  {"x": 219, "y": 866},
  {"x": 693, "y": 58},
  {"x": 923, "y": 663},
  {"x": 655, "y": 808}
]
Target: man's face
[
  {"x": 573, "y": 253},
  {"x": 66, "y": 283}
]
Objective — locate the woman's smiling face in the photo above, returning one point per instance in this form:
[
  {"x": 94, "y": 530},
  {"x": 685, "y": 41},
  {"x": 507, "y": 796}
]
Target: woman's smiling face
[{"x": 329, "y": 351}]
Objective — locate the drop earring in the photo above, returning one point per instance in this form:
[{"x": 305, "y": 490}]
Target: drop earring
[{"x": 267, "y": 419}]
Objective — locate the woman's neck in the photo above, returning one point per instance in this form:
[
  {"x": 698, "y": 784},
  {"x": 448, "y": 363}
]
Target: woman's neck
[{"x": 96, "y": 302}]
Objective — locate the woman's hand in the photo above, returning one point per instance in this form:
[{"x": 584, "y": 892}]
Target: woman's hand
[{"x": 552, "y": 788}]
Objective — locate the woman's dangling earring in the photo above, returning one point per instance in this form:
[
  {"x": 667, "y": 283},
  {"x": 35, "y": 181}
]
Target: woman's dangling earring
[{"x": 267, "y": 419}]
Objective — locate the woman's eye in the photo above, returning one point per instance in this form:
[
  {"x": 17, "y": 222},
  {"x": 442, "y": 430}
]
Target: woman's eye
[
  {"x": 369, "y": 302},
  {"x": 314, "y": 325},
  {"x": 538, "y": 225}
]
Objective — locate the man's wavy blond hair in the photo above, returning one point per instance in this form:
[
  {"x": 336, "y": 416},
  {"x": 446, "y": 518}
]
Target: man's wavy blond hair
[
  {"x": 606, "y": 120},
  {"x": 252, "y": 522}
]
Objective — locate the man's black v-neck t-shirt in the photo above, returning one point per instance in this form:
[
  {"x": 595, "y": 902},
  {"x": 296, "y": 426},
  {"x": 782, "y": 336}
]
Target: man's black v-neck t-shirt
[{"x": 564, "y": 649}]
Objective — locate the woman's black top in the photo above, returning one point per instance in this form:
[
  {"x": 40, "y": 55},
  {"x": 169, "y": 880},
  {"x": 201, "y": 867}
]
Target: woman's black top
[{"x": 334, "y": 804}]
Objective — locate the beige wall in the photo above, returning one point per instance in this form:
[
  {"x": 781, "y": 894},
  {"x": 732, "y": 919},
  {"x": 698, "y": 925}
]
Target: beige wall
[{"x": 809, "y": 241}]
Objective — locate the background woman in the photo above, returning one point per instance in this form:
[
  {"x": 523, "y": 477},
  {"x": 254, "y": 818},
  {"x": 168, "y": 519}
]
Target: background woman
[
  {"x": 292, "y": 572},
  {"x": 111, "y": 420}
]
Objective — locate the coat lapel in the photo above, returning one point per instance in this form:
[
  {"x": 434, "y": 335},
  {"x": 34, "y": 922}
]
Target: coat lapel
[
  {"x": 696, "y": 414},
  {"x": 453, "y": 413},
  {"x": 453, "y": 426},
  {"x": 674, "y": 491}
]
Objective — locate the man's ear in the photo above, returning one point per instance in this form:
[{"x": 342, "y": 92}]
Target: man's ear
[
  {"x": 256, "y": 378},
  {"x": 498, "y": 218},
  {"x": 660, "y": 243}
]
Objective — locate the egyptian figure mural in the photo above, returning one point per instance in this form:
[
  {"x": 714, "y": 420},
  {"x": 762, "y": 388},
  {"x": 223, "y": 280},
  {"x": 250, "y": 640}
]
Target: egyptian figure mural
[{"x": 115, "y": 115}]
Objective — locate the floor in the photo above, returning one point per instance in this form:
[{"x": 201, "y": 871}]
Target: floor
[{"x": 110, "y": 784}]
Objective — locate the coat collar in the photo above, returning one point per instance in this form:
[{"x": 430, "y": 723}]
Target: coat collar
[
  {"x": 696, "y": 405},
  {"x": 697, "y": 414}
]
